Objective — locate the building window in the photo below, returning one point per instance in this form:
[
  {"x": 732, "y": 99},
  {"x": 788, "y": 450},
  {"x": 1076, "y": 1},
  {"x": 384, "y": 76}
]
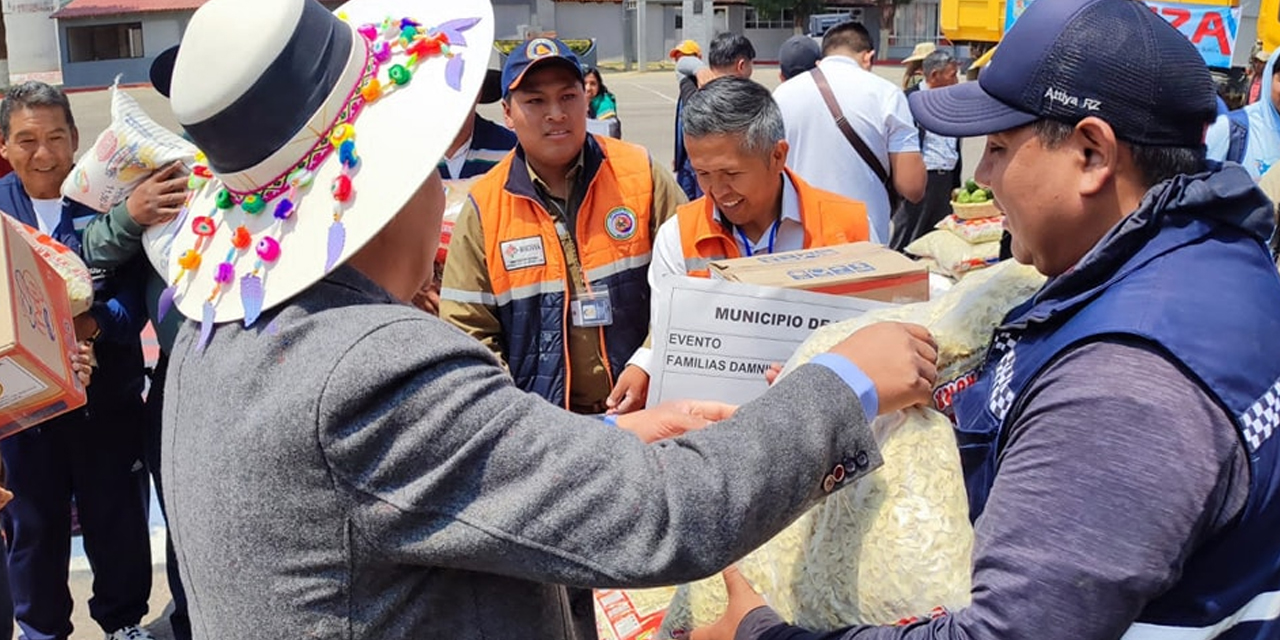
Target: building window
[
  {"x": 782, "y": 19},
  {"x": 104, "y": 42},
  {"x": 915, "y": 23}
]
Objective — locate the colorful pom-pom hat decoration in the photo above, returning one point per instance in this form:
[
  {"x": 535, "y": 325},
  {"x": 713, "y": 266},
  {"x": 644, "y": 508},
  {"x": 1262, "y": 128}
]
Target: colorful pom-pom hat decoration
[{"x": 314, "y": 132}]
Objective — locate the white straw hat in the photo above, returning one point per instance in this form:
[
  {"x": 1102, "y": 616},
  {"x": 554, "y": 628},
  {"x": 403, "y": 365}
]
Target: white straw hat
[
  {"x": 920, "y": 52},
  {"x": 316, "y": 131}
]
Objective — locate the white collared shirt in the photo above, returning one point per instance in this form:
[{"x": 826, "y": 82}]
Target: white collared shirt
[
  {"x": 790, "y": 230},
  {"x": 668, "y": 254},
  {"x": 821, "y": 155},
  {"x": 459, "y": 159},
  {"x": 940, "y": 152}
]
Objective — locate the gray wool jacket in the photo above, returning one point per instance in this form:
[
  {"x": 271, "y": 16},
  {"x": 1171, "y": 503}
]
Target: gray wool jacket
[{"x": 351, "y": 467}]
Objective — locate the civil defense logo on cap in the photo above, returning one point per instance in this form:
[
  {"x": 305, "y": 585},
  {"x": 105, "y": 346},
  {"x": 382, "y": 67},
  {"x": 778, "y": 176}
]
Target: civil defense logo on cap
[{"x": 540, "y": 48}]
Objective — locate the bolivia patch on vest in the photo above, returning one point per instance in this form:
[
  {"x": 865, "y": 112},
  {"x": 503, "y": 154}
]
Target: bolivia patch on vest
[
  {"x": 621, "y": 224},
  {"x": 523, "y": 253}
]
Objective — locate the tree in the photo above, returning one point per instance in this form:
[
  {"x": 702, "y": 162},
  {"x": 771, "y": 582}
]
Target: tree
[{"x": 802, "y": 8}]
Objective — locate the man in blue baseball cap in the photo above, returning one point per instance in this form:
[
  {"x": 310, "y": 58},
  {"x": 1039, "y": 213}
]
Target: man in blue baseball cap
[
  {"x": 564, "y": 212},
  {"x": 1118, "y": 446}
]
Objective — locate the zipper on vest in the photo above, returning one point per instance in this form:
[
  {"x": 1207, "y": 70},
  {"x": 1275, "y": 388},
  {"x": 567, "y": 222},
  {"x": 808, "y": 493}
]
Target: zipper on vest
[
  {"x": 586, "y": 282},
  {"x": 568, "y": 290},
  {"x": 564, "y": 318}
]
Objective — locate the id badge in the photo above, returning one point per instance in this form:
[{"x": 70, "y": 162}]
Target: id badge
[{"x": 592, "y": 309}]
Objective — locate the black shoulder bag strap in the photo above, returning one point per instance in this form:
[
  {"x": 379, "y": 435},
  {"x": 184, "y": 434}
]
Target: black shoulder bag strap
[{"x": 854, "y": 139}]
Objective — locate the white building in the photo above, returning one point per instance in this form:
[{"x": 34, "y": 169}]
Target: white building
[
  {"x": 97, "y": 40},
  {"x": 30, "y": 47}
]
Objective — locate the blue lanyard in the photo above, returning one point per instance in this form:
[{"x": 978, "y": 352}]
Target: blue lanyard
[{"x": 773, "y": 237}]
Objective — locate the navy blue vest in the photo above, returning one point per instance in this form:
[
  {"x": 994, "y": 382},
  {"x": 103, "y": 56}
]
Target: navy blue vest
[
  {"x": 1183, "y": 275},
  {"x": 490, "y": 142},
  {"x": 533, "y": 335}
]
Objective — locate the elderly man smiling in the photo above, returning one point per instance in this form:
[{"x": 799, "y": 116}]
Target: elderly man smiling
[{"x": 753, "y": 204}]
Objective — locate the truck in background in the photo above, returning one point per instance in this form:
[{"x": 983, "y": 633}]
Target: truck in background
[{"x": 1226, "y": 32}]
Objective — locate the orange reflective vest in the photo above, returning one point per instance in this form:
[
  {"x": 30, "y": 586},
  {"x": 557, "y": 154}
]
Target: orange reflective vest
[
  {"x": 528, "y": 271},
  {"x": 828, "y": 219}
]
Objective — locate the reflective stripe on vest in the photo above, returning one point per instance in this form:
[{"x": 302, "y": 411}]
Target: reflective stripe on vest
[
  {"x": 534, "y": 290},
  {"x": 828, "y": 219},
  {"x": 639, "y": 261},
  {"x": 468, "y": 297},
  {"x": 699, "y": 266},
  {"x": 1264, "y": 607}
]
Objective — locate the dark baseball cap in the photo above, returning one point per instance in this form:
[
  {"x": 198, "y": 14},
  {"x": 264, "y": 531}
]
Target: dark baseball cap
[
  {"x": 798, "y": 54},
  {"x": 1066, "y": 60},
  {"x": 533, "y": 54}
]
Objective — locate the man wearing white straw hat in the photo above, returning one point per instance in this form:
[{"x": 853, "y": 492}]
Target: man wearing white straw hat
[
  {"x": 339, "y": 464},
  {"x": 914, "y": 63}
]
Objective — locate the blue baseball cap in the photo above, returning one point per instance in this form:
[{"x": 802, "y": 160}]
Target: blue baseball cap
[
  {"x": 536, "y": 53},
  {"x": 1066, "y": 60}
]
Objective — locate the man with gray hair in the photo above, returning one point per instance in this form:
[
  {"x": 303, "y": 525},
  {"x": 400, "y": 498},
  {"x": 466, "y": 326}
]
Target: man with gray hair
[
  {"x": 753, "y": 204},
  {"x": 941, "y": 162}
]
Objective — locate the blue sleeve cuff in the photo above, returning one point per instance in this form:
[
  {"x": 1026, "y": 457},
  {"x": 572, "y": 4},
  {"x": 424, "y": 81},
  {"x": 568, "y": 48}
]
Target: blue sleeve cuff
[
  {"x": 610, "y": 419},
  {"x": 855, "y": 378}
]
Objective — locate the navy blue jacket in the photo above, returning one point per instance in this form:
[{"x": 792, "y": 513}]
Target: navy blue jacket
[
  {"x": 1188, "y": 272},
  {"x": 490, "y": 143}
]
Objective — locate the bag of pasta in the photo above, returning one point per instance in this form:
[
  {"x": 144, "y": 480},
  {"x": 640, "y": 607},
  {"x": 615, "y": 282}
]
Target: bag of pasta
[
  {"x": 131, "y": 148},
  {"x": 897, "y": 543},
  {"x": 976, "y": 231},
  {"x": 953, "y": 255}
]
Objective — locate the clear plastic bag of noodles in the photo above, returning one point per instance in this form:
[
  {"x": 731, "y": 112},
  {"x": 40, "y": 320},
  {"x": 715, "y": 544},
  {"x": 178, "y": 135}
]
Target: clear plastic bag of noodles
[{"x": 897, "y": 543}]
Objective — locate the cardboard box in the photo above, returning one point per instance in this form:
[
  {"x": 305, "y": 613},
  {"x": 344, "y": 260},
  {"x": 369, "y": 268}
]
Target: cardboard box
[
  {"x": 860, "y": 269},
  {"x": 37, "y": 338},
  {"x": 633, "y": 614}
]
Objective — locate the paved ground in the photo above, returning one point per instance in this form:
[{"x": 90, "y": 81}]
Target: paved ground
[{"x": 646, "y": 105}]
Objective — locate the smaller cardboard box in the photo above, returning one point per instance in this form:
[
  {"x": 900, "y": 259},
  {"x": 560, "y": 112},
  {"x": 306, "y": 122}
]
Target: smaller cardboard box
[
  {"x": 37, "y": 338},
  {"x": 861, "y": 269},
  {"x": 633, "y": 614}
]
